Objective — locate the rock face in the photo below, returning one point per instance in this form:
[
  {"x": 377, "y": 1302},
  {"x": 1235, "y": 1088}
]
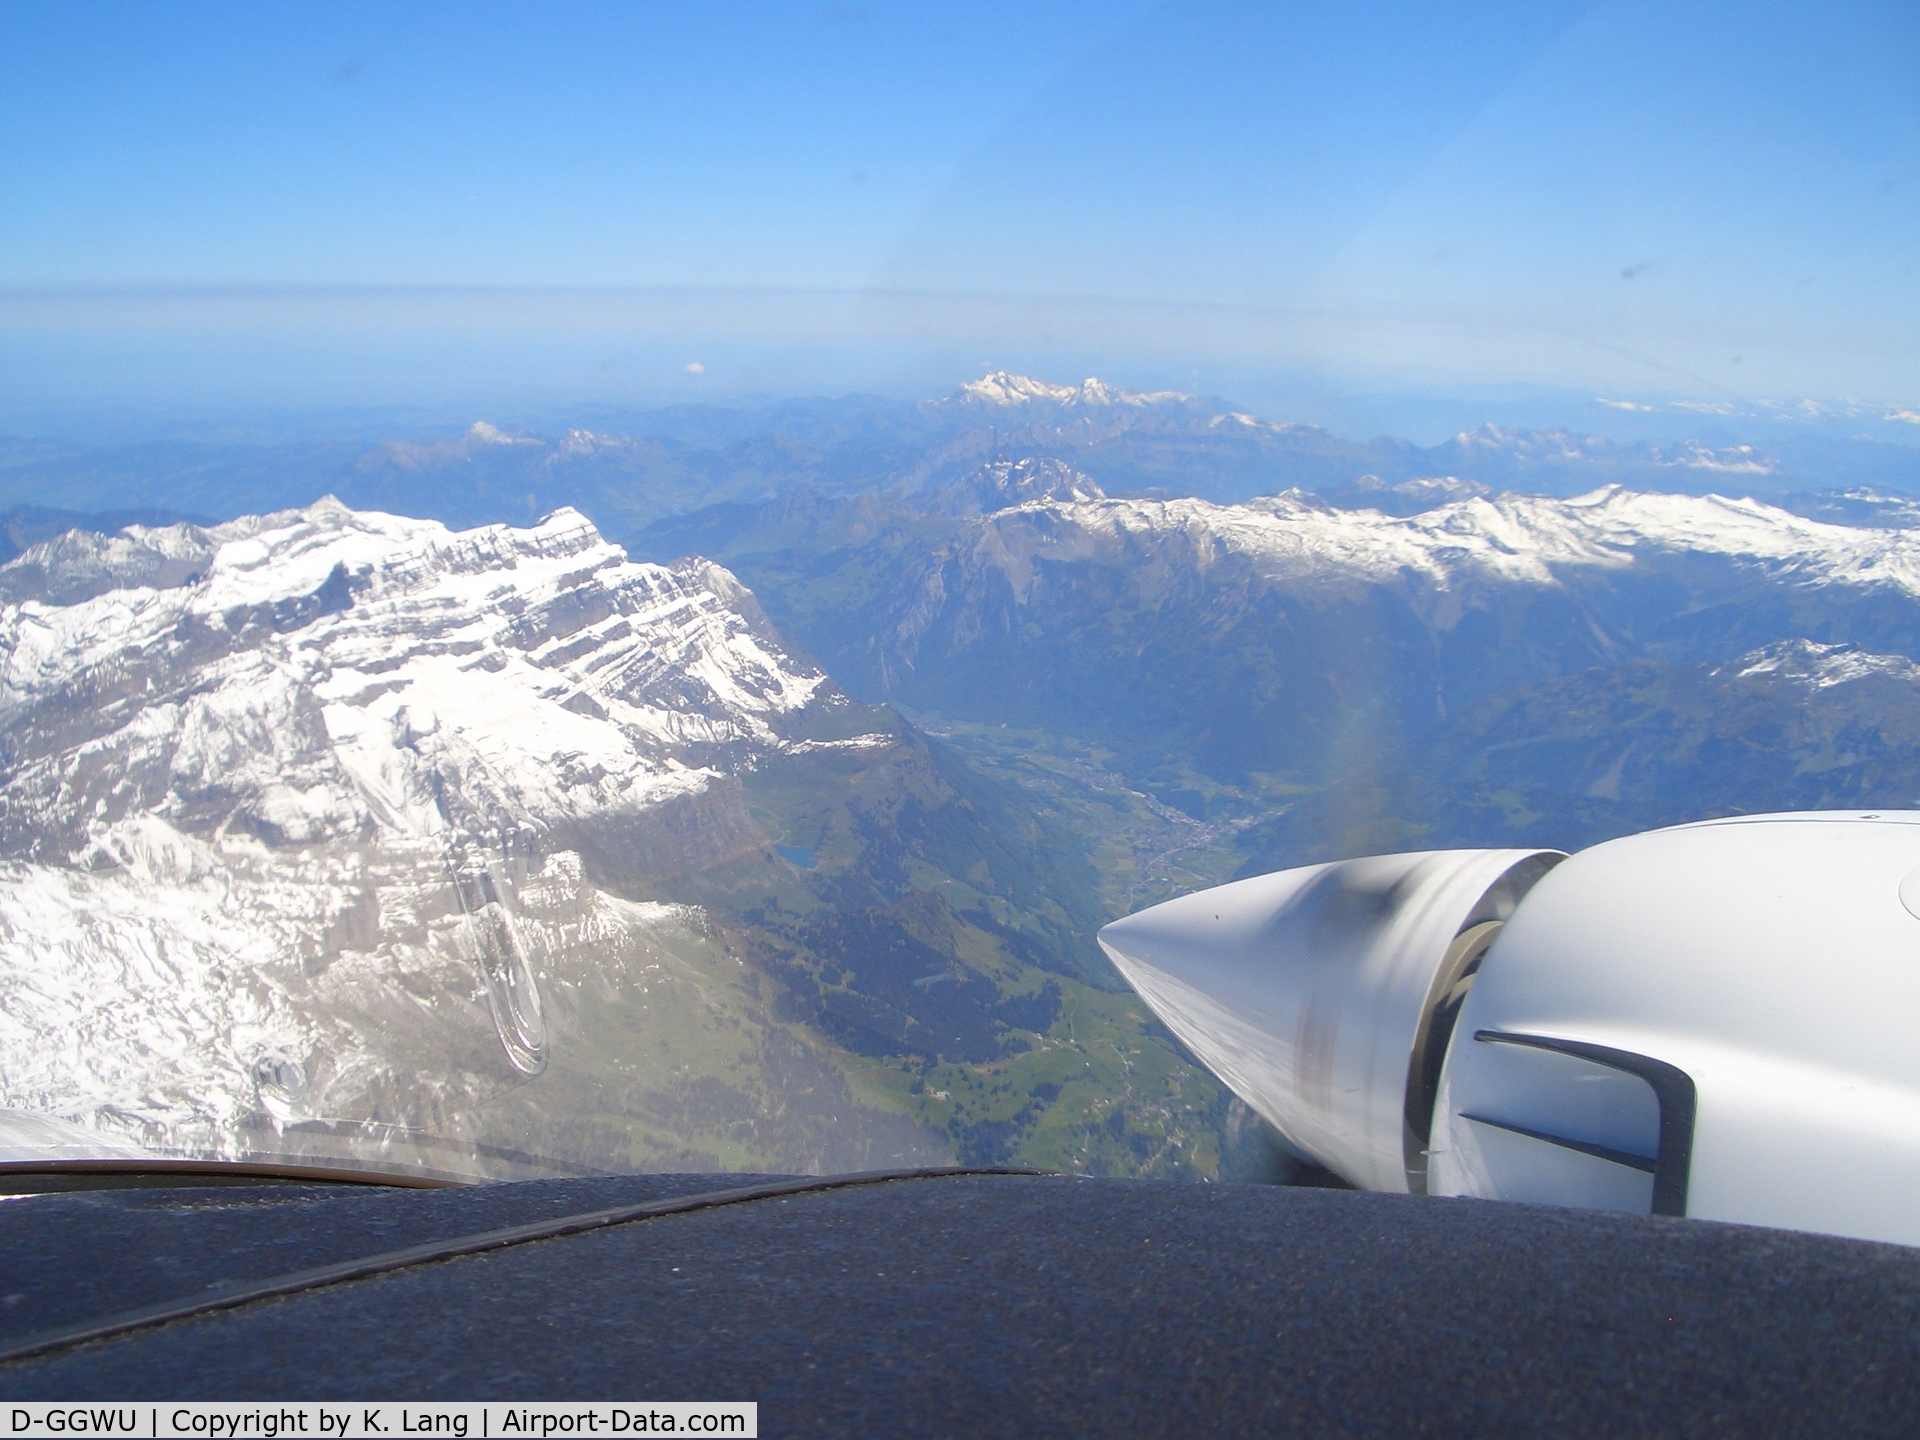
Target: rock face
[{"x": 302, "y": 822}]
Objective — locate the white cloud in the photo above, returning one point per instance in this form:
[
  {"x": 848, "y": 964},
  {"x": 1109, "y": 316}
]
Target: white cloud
[
  {"x": 1619, "y": 404},
  {"x": 1912, "y": 417},
  {"x": 694, "y": 367}
]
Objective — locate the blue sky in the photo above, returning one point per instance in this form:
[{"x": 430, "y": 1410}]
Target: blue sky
[{"x": 1710, "y": 199}]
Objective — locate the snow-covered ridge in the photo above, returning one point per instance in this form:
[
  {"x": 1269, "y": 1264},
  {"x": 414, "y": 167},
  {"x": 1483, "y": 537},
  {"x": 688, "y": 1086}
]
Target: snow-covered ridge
[
  {"x": 1512, "y": 538},
  {"x": 1820, "y": 667}
]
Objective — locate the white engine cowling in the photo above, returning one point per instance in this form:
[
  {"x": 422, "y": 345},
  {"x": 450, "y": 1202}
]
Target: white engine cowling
[
  {"x": 1312, "y": 993},
  {"x": 1715, "y": 1020}
]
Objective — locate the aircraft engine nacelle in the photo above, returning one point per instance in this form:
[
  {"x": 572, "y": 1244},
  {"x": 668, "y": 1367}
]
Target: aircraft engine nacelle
[
  {"x": 1320, "y": 996},
  {"x": 1717, "y": 1020}
]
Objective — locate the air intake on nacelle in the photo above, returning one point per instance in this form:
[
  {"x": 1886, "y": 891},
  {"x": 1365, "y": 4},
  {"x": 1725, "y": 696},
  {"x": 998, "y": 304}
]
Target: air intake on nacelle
[{"x": 1324, "y": 996}]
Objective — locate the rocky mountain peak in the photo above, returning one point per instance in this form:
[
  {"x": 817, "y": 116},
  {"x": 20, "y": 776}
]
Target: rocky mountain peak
[{"x": 1003, "y": 483}]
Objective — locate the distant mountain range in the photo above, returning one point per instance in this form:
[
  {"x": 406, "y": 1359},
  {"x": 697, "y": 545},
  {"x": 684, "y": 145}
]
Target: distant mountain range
[{"x": 646, "y": 467}]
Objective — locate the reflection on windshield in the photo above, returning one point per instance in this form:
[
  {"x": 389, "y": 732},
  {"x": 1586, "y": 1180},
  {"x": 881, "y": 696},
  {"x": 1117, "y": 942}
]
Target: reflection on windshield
[{"x": 543, "y": 634}]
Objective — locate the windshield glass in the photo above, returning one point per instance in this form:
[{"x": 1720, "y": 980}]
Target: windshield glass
[{"x": 598, "y": 589}]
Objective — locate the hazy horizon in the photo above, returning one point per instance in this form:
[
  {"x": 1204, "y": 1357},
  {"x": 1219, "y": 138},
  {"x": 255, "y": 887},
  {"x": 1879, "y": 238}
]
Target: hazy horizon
[
  {"x": 120, "y": 364},
  {"x": 226, "y": 209}
]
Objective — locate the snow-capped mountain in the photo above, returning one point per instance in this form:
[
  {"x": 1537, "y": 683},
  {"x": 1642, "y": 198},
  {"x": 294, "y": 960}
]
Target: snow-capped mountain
[
  {"x": 334, "y": 673},
  {"x": 294, "y": 818},
  {"x": 1005, "y": 389},
  {"x": 1443, "y": 564},
  {"x": 1246, "y": 655}
]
